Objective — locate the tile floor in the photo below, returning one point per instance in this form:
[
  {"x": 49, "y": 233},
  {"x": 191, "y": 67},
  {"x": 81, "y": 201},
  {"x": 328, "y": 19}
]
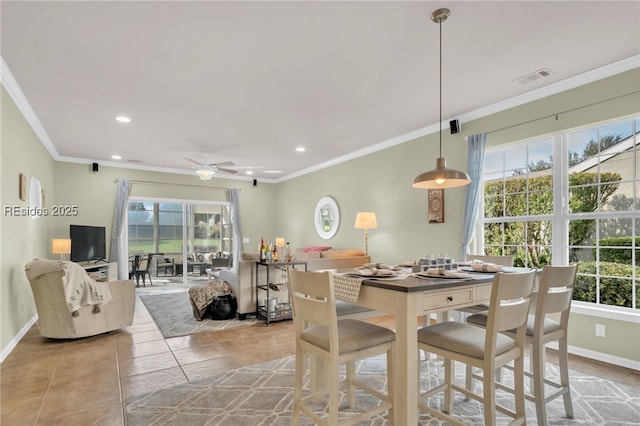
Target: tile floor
[{"x": 85, "y": 381}]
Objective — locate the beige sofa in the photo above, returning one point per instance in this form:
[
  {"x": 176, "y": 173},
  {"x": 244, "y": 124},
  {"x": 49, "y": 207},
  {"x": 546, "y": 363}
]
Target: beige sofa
[
  {"x": 242, "y": 278},
  {"x": 55, "y": 319}
]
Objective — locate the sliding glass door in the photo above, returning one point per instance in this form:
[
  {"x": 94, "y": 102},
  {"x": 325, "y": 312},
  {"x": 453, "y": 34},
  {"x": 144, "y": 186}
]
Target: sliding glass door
[{"x": 186, "y": 241}]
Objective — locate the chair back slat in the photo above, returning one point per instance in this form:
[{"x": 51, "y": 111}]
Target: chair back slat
[
  {"x": 498, "y": 260},
  {"x": 556, "y": 289},
  {"x": 312, "y": 296},
  {"x": 510, "y": 301}
]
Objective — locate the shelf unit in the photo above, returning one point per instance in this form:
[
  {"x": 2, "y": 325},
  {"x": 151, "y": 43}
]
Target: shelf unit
[{"x": 283, "y": 310}]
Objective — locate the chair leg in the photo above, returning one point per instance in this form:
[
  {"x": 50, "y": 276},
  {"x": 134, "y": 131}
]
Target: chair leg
[
  {"x": 469, "y": 380},
  {"x": 334, "y": 391},
  {"x": 351, "y": 389},
  {"x": 537, "y": 356},
  {"x": 518, "y": 386},
  {"x": 489, "y": 396},
  {"x": 564, "y": 376},
  {"x": 297, "y": 389},
  {"x": 149, "y": 274},
  {"x": 448, "y": 392}
]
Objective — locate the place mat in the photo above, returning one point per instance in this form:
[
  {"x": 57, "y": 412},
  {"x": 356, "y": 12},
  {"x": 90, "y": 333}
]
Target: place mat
[{"x": 347, "y": 288}]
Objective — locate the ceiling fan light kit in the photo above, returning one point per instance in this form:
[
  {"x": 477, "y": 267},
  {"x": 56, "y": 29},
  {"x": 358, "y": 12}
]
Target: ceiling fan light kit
[
  {"x": 441, "y": 176},
  {"x": 205, "y": 174},
  {"x": 205, "y": 171}
]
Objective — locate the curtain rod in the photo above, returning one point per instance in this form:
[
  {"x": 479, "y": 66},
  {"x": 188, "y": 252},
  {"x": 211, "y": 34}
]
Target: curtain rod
[
  {"x": 556, "y": 114},
  {"x": 148, "y": 182}
]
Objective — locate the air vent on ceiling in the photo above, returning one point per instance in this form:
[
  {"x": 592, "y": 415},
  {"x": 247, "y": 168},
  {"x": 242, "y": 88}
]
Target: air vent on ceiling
[
  {"x": 526, "y": 79},
  {"x": 135, "y": 161}
]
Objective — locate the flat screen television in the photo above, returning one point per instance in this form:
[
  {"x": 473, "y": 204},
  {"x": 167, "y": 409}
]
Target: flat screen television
[{"x": 87, "y": 243}]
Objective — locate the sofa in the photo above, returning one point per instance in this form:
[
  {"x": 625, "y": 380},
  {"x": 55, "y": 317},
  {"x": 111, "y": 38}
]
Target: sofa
[
  {"x": 56, "y": 318},
  {"x": 242, "y": 277}
]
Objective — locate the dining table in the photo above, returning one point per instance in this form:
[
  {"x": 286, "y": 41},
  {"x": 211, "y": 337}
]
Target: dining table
[{"x": 408, "y": 297}]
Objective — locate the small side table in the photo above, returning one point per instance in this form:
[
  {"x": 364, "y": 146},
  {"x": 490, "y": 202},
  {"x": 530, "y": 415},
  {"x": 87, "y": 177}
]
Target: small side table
[{"x": 283, "y": 310}]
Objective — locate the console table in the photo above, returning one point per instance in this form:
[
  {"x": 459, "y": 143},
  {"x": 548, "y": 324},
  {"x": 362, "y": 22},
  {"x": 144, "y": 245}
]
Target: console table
[{"x": 101, "y": 271}]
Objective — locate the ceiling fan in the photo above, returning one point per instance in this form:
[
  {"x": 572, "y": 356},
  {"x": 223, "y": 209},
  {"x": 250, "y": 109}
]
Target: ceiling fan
[{"x": 206, "y": 170}]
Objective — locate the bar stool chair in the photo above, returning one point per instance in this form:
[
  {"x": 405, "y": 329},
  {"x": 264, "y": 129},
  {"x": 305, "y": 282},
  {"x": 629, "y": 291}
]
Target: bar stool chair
[
  {"x": 320, "y": 334},
  {"x": 553, "y": 297},
  {"x": 486, "y": 349}
]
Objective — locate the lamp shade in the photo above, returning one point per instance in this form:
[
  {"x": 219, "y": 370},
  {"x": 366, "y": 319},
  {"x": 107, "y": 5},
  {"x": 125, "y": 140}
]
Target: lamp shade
[
  {"x": 279, "y": 241},
  {"x": 366, "y": 220},
  {"x": 441, "y": 177},
  {"x": 61, "y": 246}
]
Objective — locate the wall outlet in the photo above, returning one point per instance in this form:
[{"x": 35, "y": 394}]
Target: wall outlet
[{"x": 600, "y": 330}]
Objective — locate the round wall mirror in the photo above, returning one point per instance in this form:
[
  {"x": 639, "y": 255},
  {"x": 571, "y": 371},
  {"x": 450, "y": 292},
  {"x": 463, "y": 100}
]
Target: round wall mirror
[{"x": 327, "y": 217}]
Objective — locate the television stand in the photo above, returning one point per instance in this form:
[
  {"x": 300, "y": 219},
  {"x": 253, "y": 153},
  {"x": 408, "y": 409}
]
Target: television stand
[{"x": 101, "y": 271}]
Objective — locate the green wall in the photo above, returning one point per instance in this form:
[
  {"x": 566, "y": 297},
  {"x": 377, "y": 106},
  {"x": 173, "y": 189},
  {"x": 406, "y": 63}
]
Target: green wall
[
  {"x": 23, "y": 238},
  {"x": 379, "y": 182}
]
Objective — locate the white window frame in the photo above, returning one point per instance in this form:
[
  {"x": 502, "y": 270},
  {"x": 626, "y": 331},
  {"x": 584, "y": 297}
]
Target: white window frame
[{"x": 561, "y": 217}]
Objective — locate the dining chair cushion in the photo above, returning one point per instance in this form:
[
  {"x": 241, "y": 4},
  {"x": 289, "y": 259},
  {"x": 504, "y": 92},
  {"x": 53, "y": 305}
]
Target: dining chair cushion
[
  {"x": 548, "y": 326},
  {"x": 354, "y": 335},
  {"x": 462, "y": 338}
]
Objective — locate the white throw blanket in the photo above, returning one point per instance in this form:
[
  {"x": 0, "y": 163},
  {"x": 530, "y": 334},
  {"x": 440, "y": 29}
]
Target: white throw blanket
[{"x": 80, "y": 290}]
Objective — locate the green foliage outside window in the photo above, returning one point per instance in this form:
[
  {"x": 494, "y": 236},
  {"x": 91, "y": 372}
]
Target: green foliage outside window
[{"x": 614, "y": 289}]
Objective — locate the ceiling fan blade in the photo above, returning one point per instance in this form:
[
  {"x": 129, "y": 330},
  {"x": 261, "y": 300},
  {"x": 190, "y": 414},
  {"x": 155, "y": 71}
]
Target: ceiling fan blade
[
  {"x": 193, "y": 161},
  {"x": 223, "y": 164},
  {"x": 219, "y": 169}
]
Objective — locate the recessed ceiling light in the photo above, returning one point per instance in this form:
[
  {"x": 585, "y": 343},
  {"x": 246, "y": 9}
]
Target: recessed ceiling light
[
  {"x": 123, "y": 119},
  {"x": 272, "y": 171},
  {"x": 116, "y": 157},
  {"x": 301, "y": 149},
  {"x": 249, "y": 172}
]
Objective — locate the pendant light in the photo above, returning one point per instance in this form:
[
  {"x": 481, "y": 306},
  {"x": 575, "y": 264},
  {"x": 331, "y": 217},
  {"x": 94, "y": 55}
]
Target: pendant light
[{"x": 441, "y": 176}]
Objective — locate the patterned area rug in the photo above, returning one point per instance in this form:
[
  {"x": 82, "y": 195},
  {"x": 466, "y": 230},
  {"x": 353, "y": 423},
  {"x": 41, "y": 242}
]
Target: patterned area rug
[
  {"x": 173, "y": 315},
  {"x": 262, "y": 395}
]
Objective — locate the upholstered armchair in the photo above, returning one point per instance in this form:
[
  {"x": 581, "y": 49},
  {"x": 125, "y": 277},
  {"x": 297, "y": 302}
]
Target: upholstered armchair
[{"x": 61, "y": 315}]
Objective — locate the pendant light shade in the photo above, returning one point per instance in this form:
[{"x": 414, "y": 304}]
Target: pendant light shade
[{"x": 441, "y": 176}]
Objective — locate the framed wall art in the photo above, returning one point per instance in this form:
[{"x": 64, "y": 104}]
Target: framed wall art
[{"x": 436, "y": 205}]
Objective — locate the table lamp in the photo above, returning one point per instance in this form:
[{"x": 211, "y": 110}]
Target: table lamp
[
  {"x": 366, "y": 221},
  {"x": 61, "y": 247},
  {"x": 280, "y": 242}
]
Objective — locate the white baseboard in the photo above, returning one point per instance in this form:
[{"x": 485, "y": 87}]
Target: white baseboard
[
  {"x": 16, "y": 339},
  {"x": 599, "y": 356}
]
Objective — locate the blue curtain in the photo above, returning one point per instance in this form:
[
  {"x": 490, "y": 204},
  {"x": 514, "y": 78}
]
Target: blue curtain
[
  {"x": 234, "y": 200},
  {"x": 475, "y": 162},
  {"x": 119, "y": 212}
]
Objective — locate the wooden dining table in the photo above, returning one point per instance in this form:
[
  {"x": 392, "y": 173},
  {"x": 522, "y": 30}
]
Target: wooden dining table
[{"x": 407, "y": 299}]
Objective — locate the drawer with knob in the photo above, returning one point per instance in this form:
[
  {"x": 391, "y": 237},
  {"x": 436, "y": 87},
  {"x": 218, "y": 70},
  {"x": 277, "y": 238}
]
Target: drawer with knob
[{"x": 451, "y": 298}]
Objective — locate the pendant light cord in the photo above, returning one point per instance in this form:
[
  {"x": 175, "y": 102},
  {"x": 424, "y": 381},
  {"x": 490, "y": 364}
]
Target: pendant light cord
[{"x": 440, "y": 77}]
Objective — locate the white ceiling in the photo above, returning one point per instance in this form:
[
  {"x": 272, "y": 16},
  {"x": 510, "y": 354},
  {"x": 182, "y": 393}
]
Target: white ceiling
[{"x": 248, "y": 82}]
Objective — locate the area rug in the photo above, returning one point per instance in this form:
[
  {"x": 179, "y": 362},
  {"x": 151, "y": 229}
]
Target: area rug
[
  {"x": 262, "y": 395},
  {"x": 173, "y": 315}
]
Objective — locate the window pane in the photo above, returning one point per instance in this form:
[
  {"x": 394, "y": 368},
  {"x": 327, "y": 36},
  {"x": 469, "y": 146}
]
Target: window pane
[
  {"x": 493, "y": 162},
  {"x": 540, "y": 203},
  {"x": 580, "y": 146},
  {"x": 585, "y": 289},
  {"x": 493, "y": 183},
  {"x": 494, "y": 206},
  {"x": 583, "y": 199},
  {"x": 540, "y": 156},
  {"x": 516, "y": 204},
  {"x": 515, "y": 158},
  {"x": 582, "y": 232}
]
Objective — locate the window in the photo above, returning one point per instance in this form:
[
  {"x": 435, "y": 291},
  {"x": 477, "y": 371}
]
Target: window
[
  {"x": 572, "y": 197},
  {"x": 157, "y": 227}
]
